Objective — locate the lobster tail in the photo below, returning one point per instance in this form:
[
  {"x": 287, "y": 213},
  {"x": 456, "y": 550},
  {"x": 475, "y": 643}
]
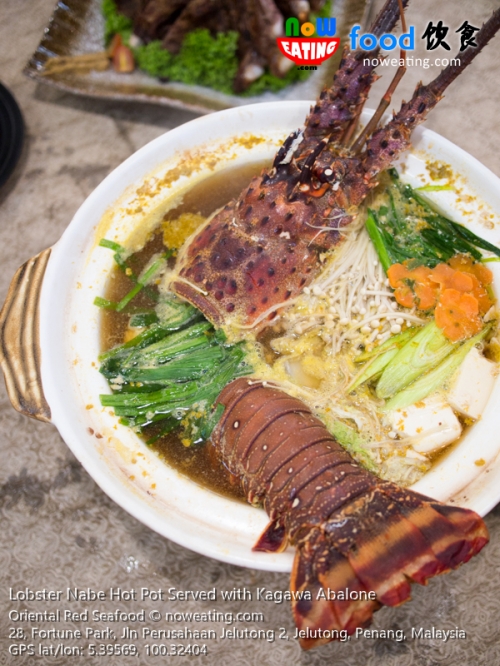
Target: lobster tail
[
  {"x": 369, "y": 553},
  {"x": 361, "y": 541}
]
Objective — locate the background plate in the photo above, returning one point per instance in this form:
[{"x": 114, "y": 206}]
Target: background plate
[{"x": 77, "y": 26}]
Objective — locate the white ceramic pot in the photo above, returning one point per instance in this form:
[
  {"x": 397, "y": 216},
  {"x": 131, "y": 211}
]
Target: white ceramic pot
[{"x": 50, "y": 331}]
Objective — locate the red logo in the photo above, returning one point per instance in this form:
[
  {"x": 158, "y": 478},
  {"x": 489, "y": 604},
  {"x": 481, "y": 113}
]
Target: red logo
[{"x": 308, "y": 51}]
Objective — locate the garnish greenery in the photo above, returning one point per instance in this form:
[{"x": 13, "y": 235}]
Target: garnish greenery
[
  {"x": 408, "y": 229},
  {"x": 173, "y": 370},
  {"x": 203, "y": 60}
]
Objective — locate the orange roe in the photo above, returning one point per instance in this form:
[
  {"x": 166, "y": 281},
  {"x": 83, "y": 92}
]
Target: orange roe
[{"x": 457, "y": 291}]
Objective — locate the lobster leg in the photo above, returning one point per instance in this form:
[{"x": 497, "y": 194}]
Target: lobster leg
[
  {"x": 353, "y": 532},
  {"x": 388, "y": 142}
]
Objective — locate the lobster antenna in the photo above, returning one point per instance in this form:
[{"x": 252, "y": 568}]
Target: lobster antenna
[
  {"x": 389, "y": 141},
  {"x": 384, "y": 22},
  {"x": 387, "y": 17},
  {"x": 386, "y": 99},
  {"x": 460, "y": 62}
]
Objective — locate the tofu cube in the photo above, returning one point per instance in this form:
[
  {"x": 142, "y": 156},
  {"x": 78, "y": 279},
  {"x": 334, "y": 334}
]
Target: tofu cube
[
  {"x": 431, "y": 422},
  {"x": 472, "y": 385}
]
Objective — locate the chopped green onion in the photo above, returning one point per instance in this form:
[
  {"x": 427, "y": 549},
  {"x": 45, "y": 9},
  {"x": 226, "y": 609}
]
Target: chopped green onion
[
  {"x": 434, "y": 188},
  {"x": 104, "y": 303},
  {"x": 141, "y": 282},
  {"x": 111, "y": 245}
]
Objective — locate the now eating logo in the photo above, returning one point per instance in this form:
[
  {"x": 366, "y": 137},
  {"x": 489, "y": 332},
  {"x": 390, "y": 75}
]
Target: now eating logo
[{"x": 306, "y": 49}]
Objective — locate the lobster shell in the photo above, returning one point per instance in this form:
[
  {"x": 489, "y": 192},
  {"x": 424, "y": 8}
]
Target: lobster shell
[{"x": 352, "y": 530}]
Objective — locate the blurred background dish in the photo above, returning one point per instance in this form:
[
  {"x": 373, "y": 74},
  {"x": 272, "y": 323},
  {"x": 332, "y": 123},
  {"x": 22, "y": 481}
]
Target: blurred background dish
[{"x": 78, "y": 27}]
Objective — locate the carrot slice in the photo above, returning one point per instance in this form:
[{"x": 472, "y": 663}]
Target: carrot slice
[
  {"x": 448, "y": 278},
  {"x": 457, "y": 314},
  {"x": 413, "y": 287},
  {"x": 464, "y": 263}
]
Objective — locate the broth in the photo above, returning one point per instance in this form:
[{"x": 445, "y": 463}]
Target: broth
[{"x": 195, "y": 462}]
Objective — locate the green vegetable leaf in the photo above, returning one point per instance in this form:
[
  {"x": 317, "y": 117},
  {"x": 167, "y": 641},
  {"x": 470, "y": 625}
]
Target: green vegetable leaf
[
  {"x": 410, "y": 229},
  {"x": 115, "y": 23}
]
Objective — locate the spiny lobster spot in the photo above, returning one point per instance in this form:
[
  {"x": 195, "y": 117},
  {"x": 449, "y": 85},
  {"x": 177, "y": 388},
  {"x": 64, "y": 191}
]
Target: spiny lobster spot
[
  {"x": 260, "y": 249},
  {"x": 384, "y": 143},
  {"x": 262, "y": 194},
  {"x": 199, "y": 277},
  {"x": 230, "y": 307},
  {"x": 219, "y": 295},
  {"x": 260, "y": 282},
  {"x": 208, "y": 286},
  {"x": 396, "y": 134},
  {"x": 221, "y": 282},
  {"x": 288, "y": 216},
  {"x": 278, "y": 230},
  {"x": 226, "y": 254},
  {"x": 283, "y": 261},
  {"x": 275, "y": 290},
  {"x": 265, "y": 220},
  {"x": 250, "y": 287},
  {"x": 248, "y": 211},
  {"x": 303, "y": 281},
  {"x": 421, "y": 107},
  {"x": 272, "y": 204},
  {"x": 252, "y": 309},
  {"x": 293, "y": 269},
  {"x": 288, "y": 293},
  {"x": 270, "y": 271},
  {"x": 232, "y": 288},
  {"x": 264, "y": 300},
  {"x": 273, "y": 315},
  {"x": 250, "y": 265}
]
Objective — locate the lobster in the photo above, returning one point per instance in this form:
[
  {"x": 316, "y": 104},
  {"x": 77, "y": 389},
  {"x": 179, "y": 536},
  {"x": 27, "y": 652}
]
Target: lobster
[{"x": 351, "y": 529}]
